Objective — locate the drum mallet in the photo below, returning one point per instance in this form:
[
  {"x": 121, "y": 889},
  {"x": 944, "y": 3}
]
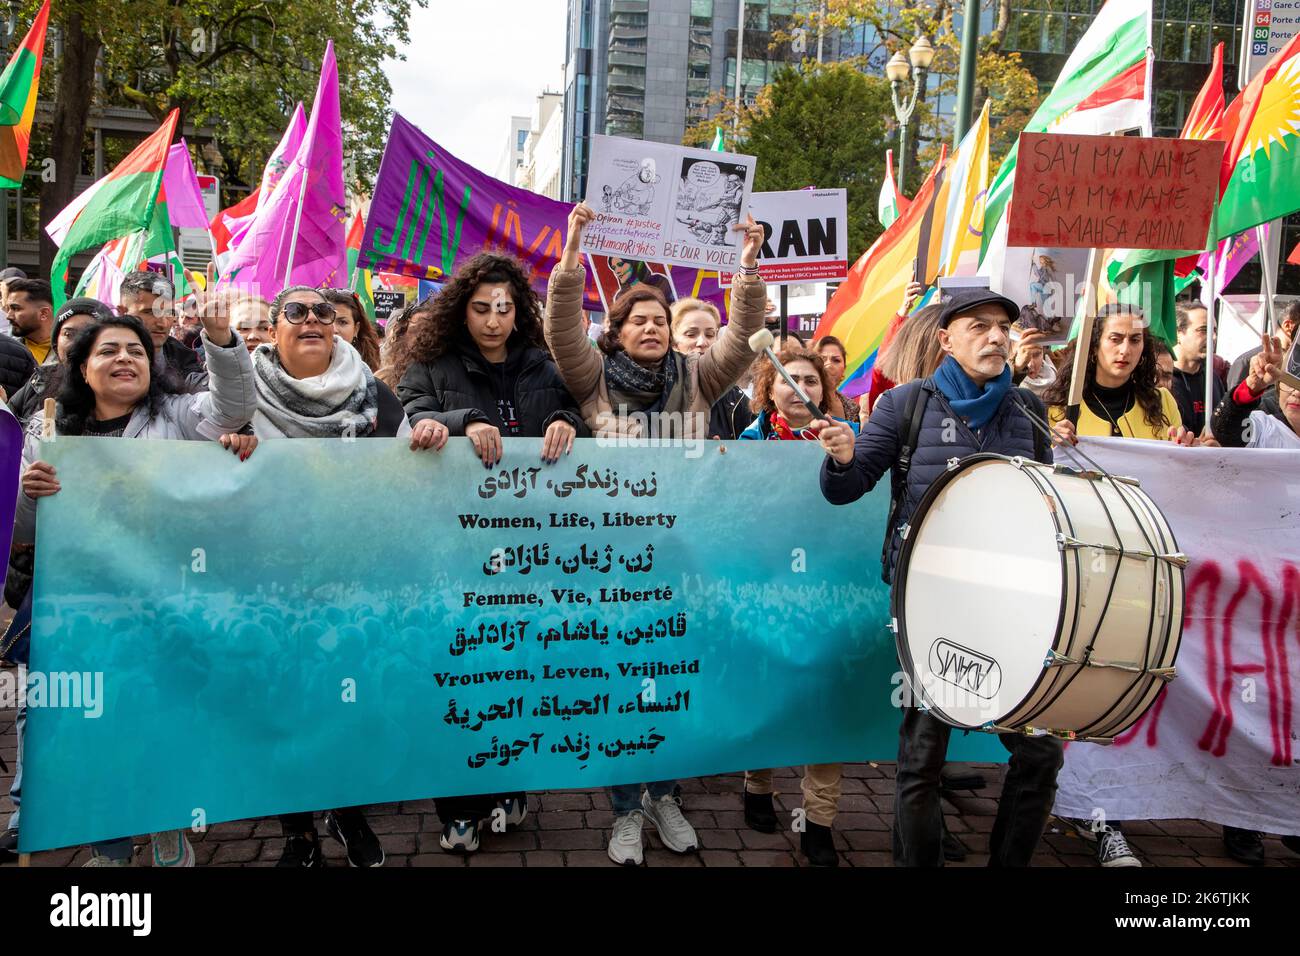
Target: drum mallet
[{"x": 761, "y": 341}]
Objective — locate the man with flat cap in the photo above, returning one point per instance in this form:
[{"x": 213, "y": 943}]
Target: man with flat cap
[{"x": 967, "y": 407}]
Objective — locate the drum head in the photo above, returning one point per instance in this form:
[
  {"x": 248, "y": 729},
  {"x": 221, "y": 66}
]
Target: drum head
[{"x": 981, "y": 582}]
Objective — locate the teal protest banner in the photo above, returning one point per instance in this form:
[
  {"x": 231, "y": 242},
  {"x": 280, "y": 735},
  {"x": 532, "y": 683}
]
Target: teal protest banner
[{"x": 338, "y": 623}]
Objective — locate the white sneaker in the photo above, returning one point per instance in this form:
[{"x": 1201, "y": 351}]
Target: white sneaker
[
  {"x": 666, "y": 816},
  {"x": 625, "y": 841},
  {"x": 172, "y": 849},
  {"x": 98, "y": 860}
]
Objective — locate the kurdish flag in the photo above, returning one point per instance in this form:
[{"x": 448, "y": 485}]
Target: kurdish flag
[
  {"x": 359, "y": 279},
  {"x": 1260, "y": 179},
  {"x": 119, "y": 204},
  {"x": 862, "y": 308},
  {"x": 1103, "y": 88},
  {"x": 18, "y": 86}
]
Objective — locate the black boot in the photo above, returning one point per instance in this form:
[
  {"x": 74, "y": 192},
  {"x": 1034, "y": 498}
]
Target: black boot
[
  {"x": 8, "y": 846},
  {"x": 1244, "y": 846},
  {"x": 818, "y": 845},
  {"x": 759, "y": 813},
  {"x": 954, "y": 851}
]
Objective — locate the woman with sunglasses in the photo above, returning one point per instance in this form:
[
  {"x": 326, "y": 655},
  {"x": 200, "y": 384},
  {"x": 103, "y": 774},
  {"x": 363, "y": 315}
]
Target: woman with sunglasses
[
  {"x": 353, "y": 326},
  {"x": 310, "y": 384},
  {"x": 313, "y": 384}
]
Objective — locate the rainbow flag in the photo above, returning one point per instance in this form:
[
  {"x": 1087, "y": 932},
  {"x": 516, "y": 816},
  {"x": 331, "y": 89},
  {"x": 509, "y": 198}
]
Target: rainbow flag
[
  {"x": 359, "y": 280},
  {"x": 117, "y": 205},
  {"x": 862, "y": 308},
  {"x": 18, "y": 87}
]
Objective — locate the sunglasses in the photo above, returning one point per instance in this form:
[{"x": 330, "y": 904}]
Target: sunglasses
[{"x": 295, "y": 313}]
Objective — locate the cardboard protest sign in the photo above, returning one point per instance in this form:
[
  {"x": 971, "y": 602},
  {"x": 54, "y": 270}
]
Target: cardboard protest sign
[
  {"x": 669, "y": 204},
  {"x": 1122, "y": 192},
  {"x": 807, "y": 235}
]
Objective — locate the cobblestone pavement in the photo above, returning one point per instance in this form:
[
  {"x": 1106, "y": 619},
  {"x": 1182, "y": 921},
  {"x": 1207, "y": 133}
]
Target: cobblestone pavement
[{"x": 570, "y": 828}]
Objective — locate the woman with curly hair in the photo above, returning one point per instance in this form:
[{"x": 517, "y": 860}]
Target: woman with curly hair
[
  {"x": 1120, "y": 396},
  {"x": 352, "y": 325},
  {"x": 478, "y": 364}
]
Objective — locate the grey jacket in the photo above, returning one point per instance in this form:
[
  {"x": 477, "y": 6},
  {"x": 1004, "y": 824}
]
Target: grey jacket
[{"x": 227, "y": 407}]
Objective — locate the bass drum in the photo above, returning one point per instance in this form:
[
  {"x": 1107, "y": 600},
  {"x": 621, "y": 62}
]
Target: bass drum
[{"x": 1037, "y": 599}]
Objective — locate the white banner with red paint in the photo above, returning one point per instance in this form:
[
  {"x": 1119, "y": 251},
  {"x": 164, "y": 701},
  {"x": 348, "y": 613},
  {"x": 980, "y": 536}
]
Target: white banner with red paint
[{"x": 1220, "y": 744}]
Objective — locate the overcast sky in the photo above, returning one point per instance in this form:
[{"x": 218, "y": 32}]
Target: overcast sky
[{"x": 472, "y": 64}]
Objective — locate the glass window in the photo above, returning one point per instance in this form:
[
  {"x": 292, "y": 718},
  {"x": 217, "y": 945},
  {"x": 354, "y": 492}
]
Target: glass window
[
  {"x": 1054, "y": 24},
  {"x": 1198, "y": 43},
  {"x": 1172, "y": 41},
  {"x": 702, "y": 8}
]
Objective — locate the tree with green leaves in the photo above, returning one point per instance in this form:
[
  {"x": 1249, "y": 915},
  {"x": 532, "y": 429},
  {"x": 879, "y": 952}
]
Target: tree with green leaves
[
  {"x": 236, "y": 67},
  {"x": 826, "y": 128},
  {"x": 999, "y": 76}
]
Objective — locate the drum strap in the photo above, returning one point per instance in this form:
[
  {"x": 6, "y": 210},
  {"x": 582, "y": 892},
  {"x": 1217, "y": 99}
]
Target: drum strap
[
  {"x": 913, "y": 416},
  {"x": 1040, "y": 440}
]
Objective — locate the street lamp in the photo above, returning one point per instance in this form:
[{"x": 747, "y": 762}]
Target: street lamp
[{"x": 897, "y": 70}]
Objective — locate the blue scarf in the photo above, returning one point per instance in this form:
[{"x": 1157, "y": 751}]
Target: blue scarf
[{"x": 975, "y": 404}]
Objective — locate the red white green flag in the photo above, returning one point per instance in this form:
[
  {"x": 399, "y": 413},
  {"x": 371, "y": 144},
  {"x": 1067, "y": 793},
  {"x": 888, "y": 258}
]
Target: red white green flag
[
  {"x": 117, "y": 205},
  {"x": 18, "y": 87}
]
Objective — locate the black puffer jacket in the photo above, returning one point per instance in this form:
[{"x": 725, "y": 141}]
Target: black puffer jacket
[
  {"x": 16, "y": 364},
  {"x": 730, "y": 415},
  {"x": 26, "y": 402},
  {"x": 461, "y": 387},
  {"x": 876, "y": 449}
]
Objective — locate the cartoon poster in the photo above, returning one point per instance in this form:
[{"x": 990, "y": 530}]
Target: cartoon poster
[
  {"x": 614, "y": 275},
  {"x": 656, "y": 202}
]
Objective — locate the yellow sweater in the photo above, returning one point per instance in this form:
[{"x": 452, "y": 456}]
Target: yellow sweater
[{"x": 1133, "y": 424}]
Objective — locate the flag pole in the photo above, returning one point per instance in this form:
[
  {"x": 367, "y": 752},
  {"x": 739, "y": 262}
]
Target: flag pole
[
  {"x": 1268, "y": 282},
  {"x": 1211, "y": 323},
  {"x": 297, "y": 223}
]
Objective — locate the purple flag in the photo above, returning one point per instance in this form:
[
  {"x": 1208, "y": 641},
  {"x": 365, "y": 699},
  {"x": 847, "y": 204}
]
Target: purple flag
[
  {"x": 181, "y": 186},
  {"x": 431, "y": 212},
  {"x": 298, "y": 234},
  {"x": 1233, "y": 253}
]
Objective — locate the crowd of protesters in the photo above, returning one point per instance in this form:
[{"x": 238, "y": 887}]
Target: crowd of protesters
[{"x": 486, "y": 359}]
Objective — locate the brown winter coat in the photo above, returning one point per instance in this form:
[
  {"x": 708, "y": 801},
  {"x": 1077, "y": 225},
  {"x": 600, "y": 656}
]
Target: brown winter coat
[{"x": 706, "y": 378}]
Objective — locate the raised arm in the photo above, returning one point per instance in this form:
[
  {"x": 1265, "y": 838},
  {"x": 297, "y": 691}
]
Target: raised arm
[
  {"x": 722, "y": 365},
  {"x": 231, "y": 399},
  {"x": 580, "y": 365}
]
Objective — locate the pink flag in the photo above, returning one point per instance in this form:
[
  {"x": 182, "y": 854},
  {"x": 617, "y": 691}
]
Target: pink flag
[
  {"x": 1233, "y": 253},
  {"x": 181, "y": 187},
  {"x": 299, "y": 233},
  {"x": 283, "y": 154}
]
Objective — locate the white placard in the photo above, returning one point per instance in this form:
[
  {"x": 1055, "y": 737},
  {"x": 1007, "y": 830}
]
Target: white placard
[
  {"x": 671, "y": 204},
  {"x": 1221, "y": 743},
  {"x": 807, "y": 236}
]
